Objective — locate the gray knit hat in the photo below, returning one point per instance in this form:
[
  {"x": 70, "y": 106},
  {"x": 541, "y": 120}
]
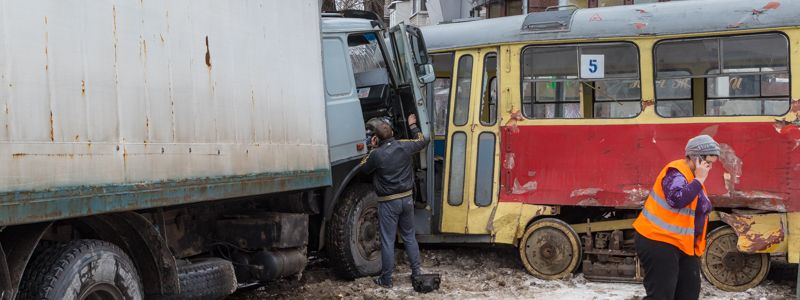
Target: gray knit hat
[{"x": 702, "y": 145}]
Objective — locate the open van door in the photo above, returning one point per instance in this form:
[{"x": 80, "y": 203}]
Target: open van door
[{"x": 413, "y": 68}]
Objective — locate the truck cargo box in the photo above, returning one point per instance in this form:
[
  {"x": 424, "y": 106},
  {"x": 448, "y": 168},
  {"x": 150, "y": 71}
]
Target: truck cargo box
[{"x": 120, "y": 105}]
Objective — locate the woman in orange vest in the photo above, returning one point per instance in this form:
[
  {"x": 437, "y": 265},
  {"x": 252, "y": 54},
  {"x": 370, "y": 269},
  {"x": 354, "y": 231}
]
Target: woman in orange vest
[{"x": 672, "y": 225}]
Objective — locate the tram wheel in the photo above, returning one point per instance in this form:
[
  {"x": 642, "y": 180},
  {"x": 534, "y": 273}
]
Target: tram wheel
[
  {"x": 550, "y": 249},
  {"x": 727, "y": 268}
]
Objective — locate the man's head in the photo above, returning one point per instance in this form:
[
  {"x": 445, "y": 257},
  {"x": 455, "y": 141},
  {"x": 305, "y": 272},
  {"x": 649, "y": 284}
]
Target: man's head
[
  {"x": 702, "y": 147},
  {"x": 381, "y": 128}
]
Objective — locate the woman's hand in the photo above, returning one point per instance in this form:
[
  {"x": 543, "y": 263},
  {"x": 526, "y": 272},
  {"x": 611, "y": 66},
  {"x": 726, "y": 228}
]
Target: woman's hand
[{"x": 701, "y": 170}]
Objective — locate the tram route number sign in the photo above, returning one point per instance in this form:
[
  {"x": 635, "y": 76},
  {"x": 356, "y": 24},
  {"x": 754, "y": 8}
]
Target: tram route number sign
[{"x": 593, "y": 66}]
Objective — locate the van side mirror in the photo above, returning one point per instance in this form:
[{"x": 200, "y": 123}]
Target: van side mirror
[{"x": 427, "y": 75}]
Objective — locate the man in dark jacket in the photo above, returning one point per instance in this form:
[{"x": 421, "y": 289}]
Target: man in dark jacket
[{"x": 391, "y": 166}]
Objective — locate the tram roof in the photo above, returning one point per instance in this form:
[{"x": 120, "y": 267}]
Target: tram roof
[{"x": 652, "y": 19}]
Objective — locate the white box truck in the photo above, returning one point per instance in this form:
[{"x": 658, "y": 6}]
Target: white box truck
[{"x": 177, "y": 149}]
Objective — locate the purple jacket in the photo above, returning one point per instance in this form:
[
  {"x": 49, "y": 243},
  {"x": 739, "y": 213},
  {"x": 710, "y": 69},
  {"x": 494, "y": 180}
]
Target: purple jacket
[{"x": 680, "y": 193}]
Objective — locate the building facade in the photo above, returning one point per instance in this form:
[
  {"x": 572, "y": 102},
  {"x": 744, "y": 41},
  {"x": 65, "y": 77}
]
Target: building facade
[{"x": 432, "y": 12}]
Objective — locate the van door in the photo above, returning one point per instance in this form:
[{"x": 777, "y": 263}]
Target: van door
[
  {"x": 409, "y": 56},
  {"x": 343, "y": 109}
]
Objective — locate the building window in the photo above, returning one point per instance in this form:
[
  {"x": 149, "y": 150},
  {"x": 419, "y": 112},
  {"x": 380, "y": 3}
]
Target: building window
[
  {"x": 552, "y": 87},
  {"x": 540, "y": 5},
  {"x": 723, "y": 76},
  {"x": 418, "y": 6}
]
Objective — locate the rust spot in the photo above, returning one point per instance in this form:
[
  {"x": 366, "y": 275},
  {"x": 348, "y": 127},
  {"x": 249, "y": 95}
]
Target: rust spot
[
  {"x": 589, "y": 202},
  {"x": 516, "y": 116},
  {"x": 144, "y": 48},
  {"x": 754, "y": 240},
  {"x": 595, "y": 18},
  {"x": 585, "y": 192},
  {"x": 509, "y": 163},
  {"x": 755, "y": 200},
  {"x": 732, "y": 165},
  {"x": 208, "y": 55},
  {"x": 772, "y": 5},
  {"x": 635, "y": 197},
  {"x": 83, "y": 87},
  {"x": 52, "y": 135},
  {"x": 77, "y": 137},
  {"x": 640, "y": 25},
  {"x": 529, "y": 186}
]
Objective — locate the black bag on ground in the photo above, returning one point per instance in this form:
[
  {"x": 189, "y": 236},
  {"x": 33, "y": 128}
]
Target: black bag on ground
[{"x": 425, "y": 283}]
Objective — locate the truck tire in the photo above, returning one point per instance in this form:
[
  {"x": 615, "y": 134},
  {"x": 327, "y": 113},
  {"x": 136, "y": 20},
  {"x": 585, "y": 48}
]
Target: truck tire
[
  {"x": 204, "y": 279},
  {"x": 353, "y": 238},
  {"x": 81, "y": 269}
]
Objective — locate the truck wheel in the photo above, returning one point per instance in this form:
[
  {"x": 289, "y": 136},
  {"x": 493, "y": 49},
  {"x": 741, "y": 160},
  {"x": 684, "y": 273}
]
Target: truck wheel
[
  {"x": 81, "y": 269},
  {"x": 727, "y": 268},
  {"x": 205, "y": 279},
  {"x": 550, "y": 249},
  {"x": 354, "y": 246}
]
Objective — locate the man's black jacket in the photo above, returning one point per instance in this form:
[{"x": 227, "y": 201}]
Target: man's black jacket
[{"x": 391, "y": 165}]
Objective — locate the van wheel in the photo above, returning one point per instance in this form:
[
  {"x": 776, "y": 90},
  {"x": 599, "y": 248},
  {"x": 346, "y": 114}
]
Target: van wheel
[
  {"x": 550, "y": 249},
  {"x": 81, "y": 269},
  {"x": 353, "y": 238},
  {"x": 204, "y": 279},
  {"x": 727, "y": 268}
]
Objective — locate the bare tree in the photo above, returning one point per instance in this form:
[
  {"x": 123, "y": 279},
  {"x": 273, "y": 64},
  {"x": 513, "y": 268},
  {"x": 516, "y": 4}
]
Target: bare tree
[
  {"x": 328, "y": 5},
  {"x": 350, "y": 4},
  {"x": 376, "y": 6}
]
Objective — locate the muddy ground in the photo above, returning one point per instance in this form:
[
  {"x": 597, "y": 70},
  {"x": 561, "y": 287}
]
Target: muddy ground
[{"x": 485, "y": 273}]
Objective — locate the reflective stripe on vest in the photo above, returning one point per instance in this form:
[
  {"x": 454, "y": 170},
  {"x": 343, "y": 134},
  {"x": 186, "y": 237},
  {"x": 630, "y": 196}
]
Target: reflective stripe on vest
[
  {"x": 663, "y": 203},
  {"x": 666, "y": 226}
]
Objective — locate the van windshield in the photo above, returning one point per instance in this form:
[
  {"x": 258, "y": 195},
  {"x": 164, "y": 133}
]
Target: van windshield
[{"x": 365, "y": 52}]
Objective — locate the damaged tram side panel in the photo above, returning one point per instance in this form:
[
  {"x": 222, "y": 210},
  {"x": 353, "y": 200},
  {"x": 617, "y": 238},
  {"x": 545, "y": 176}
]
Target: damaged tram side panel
[{"x": 584, "y": 150}]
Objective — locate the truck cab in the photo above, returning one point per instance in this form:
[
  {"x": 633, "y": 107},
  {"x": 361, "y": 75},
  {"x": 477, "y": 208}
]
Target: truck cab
[{"x": 370, "y": 72}]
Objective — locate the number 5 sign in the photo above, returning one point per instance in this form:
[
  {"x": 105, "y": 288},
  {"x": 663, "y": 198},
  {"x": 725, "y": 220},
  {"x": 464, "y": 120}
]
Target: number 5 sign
[{"x": 593, "y": 66}]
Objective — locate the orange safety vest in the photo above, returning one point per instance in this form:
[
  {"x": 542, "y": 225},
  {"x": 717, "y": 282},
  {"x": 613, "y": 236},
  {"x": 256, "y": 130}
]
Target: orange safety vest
[{"x": 660, "y": 222}]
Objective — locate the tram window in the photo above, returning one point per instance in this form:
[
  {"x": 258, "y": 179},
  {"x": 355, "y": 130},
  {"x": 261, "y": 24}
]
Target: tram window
[
  {"x": 488, "y": 110},
  {"x": 734, "y": 76},
  {"x": 463, "y": 89},
  {"x": 552, "y": 87},
  {"x": 484, "y": 170},
  {"x": 441, "y": 101},
  {"x": 458, "y": 154},
  {"x": 443, "y": 67},
  {"x": 675, "y": 95}
]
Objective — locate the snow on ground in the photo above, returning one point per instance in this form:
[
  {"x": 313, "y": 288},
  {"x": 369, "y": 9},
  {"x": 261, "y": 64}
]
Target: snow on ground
[{"x": 489, "y": 273}]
